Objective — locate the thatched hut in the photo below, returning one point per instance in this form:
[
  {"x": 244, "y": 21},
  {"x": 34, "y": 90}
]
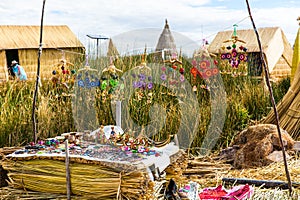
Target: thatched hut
[
  {"x": 112, "y": 50},
  {"x": 21, "y": 43},
  {"x": 277, "y": 50},
  {"x": 166, "y": 40}
]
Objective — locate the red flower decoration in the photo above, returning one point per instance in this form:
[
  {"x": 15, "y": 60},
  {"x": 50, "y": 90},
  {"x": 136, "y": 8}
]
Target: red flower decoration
[
  {"x": 223, "y": 56},
  {"x": 216, "y": 62},
  {"x": 181, "y": 70},
  {"x": 228, "y": 55},
  {"x": 234, "y": 53},
  {"x": 215, "y": 71},
  {"x": 194, "y": 71},
  {"x": 243, "y": 57},
  {"x": 174, "y": 66},
  {"x": 208, "y": 73},
  {"x": 204, "y": 64}
]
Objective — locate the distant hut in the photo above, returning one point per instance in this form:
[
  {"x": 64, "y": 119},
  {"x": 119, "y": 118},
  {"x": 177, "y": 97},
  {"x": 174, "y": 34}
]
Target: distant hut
[
  {"x": 276, "y": 48},
  {"x": 166, "y": 42},
  {"x": 21, "y": 43},
  {"x": 112, "y": 50}
]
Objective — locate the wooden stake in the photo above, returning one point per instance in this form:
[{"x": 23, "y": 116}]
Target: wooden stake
[
  {"x": 259, "y": 183},
  {"x": 266, "y": 70},
  {"x": 118, "y": 113},
  {"x": 37, "y": 76},
  {"x": 68, "y": 178}
]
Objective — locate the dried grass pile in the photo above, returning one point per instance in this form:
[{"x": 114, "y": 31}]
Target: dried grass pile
[{"x": 256, "y": 143}]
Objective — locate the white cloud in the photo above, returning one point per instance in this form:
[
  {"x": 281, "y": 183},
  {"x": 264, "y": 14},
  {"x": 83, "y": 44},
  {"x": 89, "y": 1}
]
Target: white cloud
[{"x": 193, "y": 18}]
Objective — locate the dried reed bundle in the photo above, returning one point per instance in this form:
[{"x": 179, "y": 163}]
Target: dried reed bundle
[
  {"x": 88, "y": 180},
  {"x": 288, "y": 109}
]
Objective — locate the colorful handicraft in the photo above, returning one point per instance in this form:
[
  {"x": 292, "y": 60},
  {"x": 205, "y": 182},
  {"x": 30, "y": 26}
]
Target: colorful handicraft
[
  {"x": 204, "y": 66},
  {"x": 110, "y": 78},
  {"x": 87, "y": 77},
  {"x": 87, "y": 80},
  {"x": 235, "y": 56},
  {"x": 169, "y": 73},
  {"x": 141, "y": 75},
  {"x": 83, "y": 100},
  {"x": 63, "y": 74}
]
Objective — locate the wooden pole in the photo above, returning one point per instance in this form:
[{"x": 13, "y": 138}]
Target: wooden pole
[
  {"x": 68, "y": 178},
  {"x": 118, "y": 113},
  {"x": 37, "y": 76},
  {"x": 259, "y": 183},
  {"x": 266, "y": 70}
]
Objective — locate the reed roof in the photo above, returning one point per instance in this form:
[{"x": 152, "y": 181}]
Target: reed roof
[
  {"x": 27, "y": 37},
  {"x": 166, "y": 39}
]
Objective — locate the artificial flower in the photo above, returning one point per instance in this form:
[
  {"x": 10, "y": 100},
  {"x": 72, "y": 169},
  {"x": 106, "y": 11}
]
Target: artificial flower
[
  {"x": 163, "y": 77},
  {"x": 150, "y": 85},
  {"x": 181, "y": 70},
  {"x": 142, "y": 77},
  {"x": 204, "y": 64}
]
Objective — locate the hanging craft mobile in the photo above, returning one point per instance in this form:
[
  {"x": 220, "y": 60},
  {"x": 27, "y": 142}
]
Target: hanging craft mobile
[
  {"x": 87, "y": 77},
  {"x": 110, "y": 78},
  {"x": 63, "y": 73},
  {"x": 169, "y": 72},
  {"x": 204, "y": 66},
  {"x": 142, "y": 75},
  {"x": 84, "y": 99},
  {"x": 235, "y": 56},
  {"x": 143, "y": 64}
]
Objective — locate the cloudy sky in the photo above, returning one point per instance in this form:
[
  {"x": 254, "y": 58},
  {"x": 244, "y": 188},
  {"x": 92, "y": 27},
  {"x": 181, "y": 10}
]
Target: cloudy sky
[{"x": 195, "y": 19}]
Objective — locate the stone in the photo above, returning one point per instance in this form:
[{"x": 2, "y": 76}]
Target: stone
[{"x": 277, "y": 156}]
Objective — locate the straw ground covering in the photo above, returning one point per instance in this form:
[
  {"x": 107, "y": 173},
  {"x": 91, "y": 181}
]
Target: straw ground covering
[
  {"x": 274, "y": 171},
  {"x": 209, "y": 171}
]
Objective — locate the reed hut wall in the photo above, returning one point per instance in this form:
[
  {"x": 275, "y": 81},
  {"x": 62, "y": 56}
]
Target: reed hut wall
[
  {"x": 21, "y": 43},
  {"x": 3, "y": 70},
  {"x": 277, "y": 50}
]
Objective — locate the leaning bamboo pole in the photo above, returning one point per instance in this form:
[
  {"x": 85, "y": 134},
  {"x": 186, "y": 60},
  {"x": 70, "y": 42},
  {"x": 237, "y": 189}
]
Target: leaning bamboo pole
[{"x": 266, "y": 70}]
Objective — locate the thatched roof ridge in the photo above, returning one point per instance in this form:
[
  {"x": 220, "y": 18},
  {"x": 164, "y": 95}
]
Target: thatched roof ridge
[
  {"x": 273, "y": 40},
  {"x": 27, "y": 37},
  {"x": 166, "y": 39}
]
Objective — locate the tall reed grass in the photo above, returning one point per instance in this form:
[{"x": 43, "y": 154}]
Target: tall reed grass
[{"x": 247, "y": 101}]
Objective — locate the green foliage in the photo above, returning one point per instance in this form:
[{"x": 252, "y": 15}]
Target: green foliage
[
  {"x": 16, "y": 98},
  {"x": 280, "y": 88},
  {"x": 247, "y": 100}
]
